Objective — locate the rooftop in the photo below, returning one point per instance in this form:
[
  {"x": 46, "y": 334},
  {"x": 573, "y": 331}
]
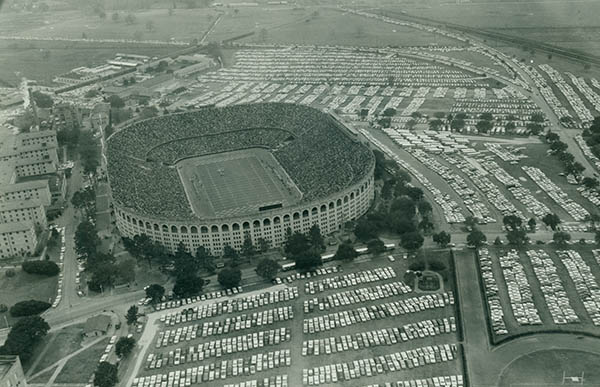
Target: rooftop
[
  {"x": 19, "y": 204},
  {"x": 15, "y": 226},
  {"x": 34, "y": 184}
]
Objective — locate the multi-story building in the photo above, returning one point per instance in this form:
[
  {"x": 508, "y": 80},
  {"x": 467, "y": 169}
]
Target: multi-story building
[
  {"x": 34, "y": 167},
  {"x": 30, "y": 210},
  {"x": 17, "y": 238},
  {"x": 11, "y": 372},
  {"x": 36, "y": 189}
]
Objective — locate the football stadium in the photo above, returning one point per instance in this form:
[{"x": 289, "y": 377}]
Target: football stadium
[{"x": 212, "y": 176}]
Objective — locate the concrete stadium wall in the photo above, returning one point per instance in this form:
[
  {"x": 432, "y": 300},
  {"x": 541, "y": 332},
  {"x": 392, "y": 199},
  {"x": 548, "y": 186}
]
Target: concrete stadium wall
[{"x": 329, "y": 213}]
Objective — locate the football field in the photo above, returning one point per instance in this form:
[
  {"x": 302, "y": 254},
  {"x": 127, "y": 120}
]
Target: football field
[{"x": 234, "y": 183}]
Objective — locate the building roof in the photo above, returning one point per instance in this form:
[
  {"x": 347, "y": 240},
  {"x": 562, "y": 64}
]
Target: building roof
[
  {"x": 26, "y": 185},
  {"x": 15, "y": 226},
  {"x": 7, "y": 172},
  {"x": 32, "y": 160},
  {"x": 41, "y": 133},
  {"x": 19, "y": 204},
  {"x": 98, "y": 323}
]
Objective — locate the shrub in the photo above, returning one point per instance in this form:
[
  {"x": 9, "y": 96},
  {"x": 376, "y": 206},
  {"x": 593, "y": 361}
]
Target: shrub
[
  {"x": 417, "y": 266},
  {"x": 10, "y": 273},
  {"x": 47, "y": 268},
  {"x": 28, "y": 308},
  {"x": 3, "y": 308},
  {"x": 437, "y": 266}
]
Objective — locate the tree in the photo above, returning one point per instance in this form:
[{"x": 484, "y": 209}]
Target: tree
[
  {"x": 307, "y": 260},
  {"x": 457, "y": 124},
  {"x": 42, "y": 100},
  {"x": 126, "y": 270},
  {"x": 498, "y": 241},
  {"x": 295, "y": 244},
  {"x": 263, "y": 245},
  {"x": 155, "y": 292},
  {"x": 486, "y": 116},
  {"x": 124, "y": 346},
  {"x": 185, "y": 264},
  {"x": 231, "y": 254},
  {"x": 116, "y": 102},
  {"x": 425, "y": 225},
  {"x": 47, "y": 268},
  {"x": 104, "y": 275},
  {"x": 484, "y": 126},
  {"x": 512, "y": 222},
  {"x": 28, "y": 308},
  {"x": 470, "y": 222},
  {"x": 248, "y": 249},
  {"x": 205, "y": 259},
  {"x": 23, "y": 337},
  {"x": 130, "y": 19},
  {"x": 188, "y": 286},
  {"x": 405, "y": 206},
  {"x": 537, "y": 117},
  {"x": 376, "y": 246},
  {"x": 424, "y": 208},
  {"x": 517, "y": 237},
  {"x": 230, "y": 277},
  {"x": 365, "y": 230},
  {"x": 435, "y": 124},
  {"x": 345, "y": 252},
  {"x": 267, "y": 268},
  {"x": 115, "y": 17},
  {"x": 132, "y": 314},
  {"x": 86, "y": 239},
  {"x": 315, "y": 238},
  {"x": 551, "y": 220},
  {"x": 531, "y": 223},
  {"x": 590, "y": 183},
  {"x": 561, "y": 238},
  {"x": 476, "y": 238},
  {"x": 412, "y": 240},
  {"x": 442, "y": 238},
  {"x": 106, "y": 375}
]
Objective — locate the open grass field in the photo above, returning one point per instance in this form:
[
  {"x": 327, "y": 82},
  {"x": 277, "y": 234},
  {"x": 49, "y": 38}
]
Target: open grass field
[
  {"x": 183, "y": 25},
  {"x": 22, "y": 287},
  {"x": 545, "y": 368},
  {"x": 60, "y": 344},
  {"x": 29, "y": 59},
  {"x": 318, "y": 26},
  {"x": 80, "y": 368},
  {"x": 234, "y": 183}
]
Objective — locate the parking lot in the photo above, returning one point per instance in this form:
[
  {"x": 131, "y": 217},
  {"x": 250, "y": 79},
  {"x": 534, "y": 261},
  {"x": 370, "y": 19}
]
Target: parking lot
[
  {"x": 541, "y": 290},
  {"x": 357, "y": 326}
]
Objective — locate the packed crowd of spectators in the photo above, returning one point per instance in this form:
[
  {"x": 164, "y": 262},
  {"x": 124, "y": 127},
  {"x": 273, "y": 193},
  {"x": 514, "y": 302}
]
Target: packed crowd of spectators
[{"x": 310, "y": 145}]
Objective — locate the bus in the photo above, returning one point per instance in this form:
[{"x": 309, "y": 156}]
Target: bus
[
  {"x": 288, "y": 266},
  {"x": 327, "y": 257},
  {"x": 362, "y": 250},
  {"x": 389, "y": 246}
]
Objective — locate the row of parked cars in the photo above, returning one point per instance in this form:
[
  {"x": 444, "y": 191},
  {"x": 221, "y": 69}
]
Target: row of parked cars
[
  {"x": 436, "y": 381},
  {"x": 570, "y": 94},
  {"x": 491, "y": 292},
  {"x": 273, "y": 381},
  {"x": 376, "y": 312},
  {"x": 379, "y": 337},
  {"x": 63, "y": 248},
  {"x": 225, "y": 326},
  {"x": 393, "y": 362},
  {"x": 451, "y": 209},
  {"x": 357, "y": 296},
  {"x": 574, "y": 209},
  {"x": 219, "y": 348},
  {"x": 230, "y": 306},
  {"x": 519, "y": 290},
  {"x": 585, "y": 283},
  {"x": 350, "y": 279},
  {"x": 551, "y": 285}
]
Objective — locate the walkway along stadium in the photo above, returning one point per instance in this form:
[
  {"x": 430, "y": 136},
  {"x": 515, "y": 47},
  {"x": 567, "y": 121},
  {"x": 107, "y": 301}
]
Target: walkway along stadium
[{"x": 211, "y": 176}]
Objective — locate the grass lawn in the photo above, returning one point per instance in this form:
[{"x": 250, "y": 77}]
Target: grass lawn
[
  {"x": 63, "y": 343},
  {"x": 43, "y": 378},
  {"x": 24, "y": 286},
  {"x": 80, "y": 368},
  {"x": 332, "y": 27},
  {"x": 545, "y": 368},
  {"x": 183, "y": 25}
]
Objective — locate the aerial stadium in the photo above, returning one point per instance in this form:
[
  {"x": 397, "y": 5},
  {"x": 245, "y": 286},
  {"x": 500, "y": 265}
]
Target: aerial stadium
[{"x": 212, "y": 176}]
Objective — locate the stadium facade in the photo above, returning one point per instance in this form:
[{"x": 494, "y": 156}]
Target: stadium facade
[{"x": 329, "y": 205}]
